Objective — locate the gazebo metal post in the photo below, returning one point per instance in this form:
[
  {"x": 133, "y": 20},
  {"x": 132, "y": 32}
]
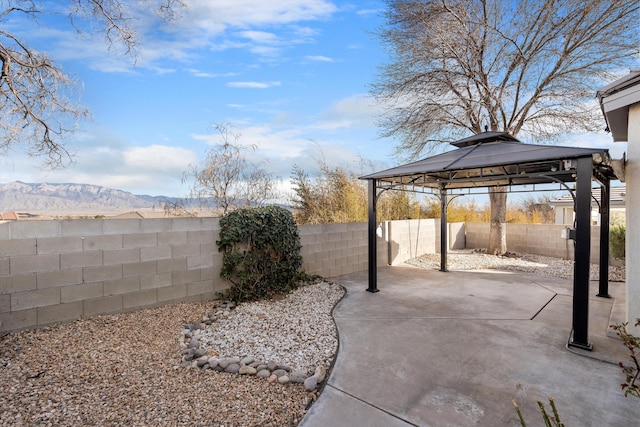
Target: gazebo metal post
[
  {"x": 605, "y": 194},
  {"x": 582, "y": 253},
  {"x": 443, "y": 229},
  {"x": 373, "y": 244}
]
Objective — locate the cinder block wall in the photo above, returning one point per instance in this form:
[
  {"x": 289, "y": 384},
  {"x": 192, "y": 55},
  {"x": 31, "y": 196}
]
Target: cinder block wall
[
  {"x": 411, "y": 238},
  {"x": 56, "y": 271},
  {"x": 414, "y": 237},
  {"x": 334, "y": 249},
  {"x": 540, "y": 239}
]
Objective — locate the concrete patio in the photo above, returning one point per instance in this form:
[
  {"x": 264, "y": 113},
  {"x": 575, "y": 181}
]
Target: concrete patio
[{"x": 454, "y": 349}]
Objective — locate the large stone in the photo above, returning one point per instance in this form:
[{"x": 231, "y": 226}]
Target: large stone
[
  {"x": 247, "y": 360},
  {"x": 187, "y": 354},
  {"x": 213, "y": 362},
  {"x": 226, "y": 361},
  {"x": 233, "y": 368},
  {"x": 264, "y": 373},
  {"x": 279, "y": 372},
  {"x": 298, "y": 376},
  {"x": 321, "y": 373},
  {"x": 247, "y": 370},
  {"x": 200, "y": 352},
  {"x": 283, "y": 379},
  {"x": 311, "y": 383}
]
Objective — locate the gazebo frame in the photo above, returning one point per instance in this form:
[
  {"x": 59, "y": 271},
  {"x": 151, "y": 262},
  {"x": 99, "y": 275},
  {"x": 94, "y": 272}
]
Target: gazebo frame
[{"x": 499, "y": 160}]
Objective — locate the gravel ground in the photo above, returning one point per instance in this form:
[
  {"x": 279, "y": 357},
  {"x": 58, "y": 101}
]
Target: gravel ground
[
  {"x": 124, "y": 370},
  {"x": 297, "y": 331},
  {"x": 474, "y": 259}
]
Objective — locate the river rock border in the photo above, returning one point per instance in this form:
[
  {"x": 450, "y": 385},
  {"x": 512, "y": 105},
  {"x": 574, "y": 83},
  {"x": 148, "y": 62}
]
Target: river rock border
[{"x": 195, "y": 357}]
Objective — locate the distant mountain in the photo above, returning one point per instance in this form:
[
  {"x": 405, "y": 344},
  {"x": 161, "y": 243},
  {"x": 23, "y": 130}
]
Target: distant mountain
[{"x": 50, "y": 198}]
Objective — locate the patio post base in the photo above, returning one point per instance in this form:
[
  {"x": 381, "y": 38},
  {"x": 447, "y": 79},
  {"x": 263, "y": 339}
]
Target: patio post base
[{"x": 582, "y": 346}]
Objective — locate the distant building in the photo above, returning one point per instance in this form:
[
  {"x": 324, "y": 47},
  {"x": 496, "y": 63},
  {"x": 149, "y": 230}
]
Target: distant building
[
  {"x": 18, "y": 216},
  {"x": 564, "y": 207},
  {"x": 129, "y": 215},
  {"x": 8, "y": 216}
]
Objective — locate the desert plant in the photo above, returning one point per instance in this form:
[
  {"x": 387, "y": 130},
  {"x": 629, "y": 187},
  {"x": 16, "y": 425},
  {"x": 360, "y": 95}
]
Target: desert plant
[
  {"x": 549, "y": 420},
  {"x": 632, "y": 342},
  {"x": 261, "y": 248},
  {"x": 617, "y": 237}
]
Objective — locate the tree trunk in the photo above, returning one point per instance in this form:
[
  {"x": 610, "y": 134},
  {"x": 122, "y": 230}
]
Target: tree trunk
[{"x": 498, "y": 230}]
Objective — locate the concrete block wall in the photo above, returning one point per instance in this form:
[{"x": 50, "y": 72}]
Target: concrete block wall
[
  {"x": 331, "y": 250},
  {"x": 57, "y": 271},
  {"x": 411, "y": 238},
  {"x": 477, "y": 234},
  {"x": 540, "y": 239}
]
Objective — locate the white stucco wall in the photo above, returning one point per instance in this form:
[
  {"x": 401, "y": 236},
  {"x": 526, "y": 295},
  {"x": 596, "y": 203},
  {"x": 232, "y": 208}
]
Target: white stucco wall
[{"x": 633, "y": 217}]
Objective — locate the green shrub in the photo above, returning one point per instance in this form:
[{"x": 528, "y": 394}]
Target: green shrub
[
  {"x": 617, "y": 235},
  {"x": 261, "y": 248}
]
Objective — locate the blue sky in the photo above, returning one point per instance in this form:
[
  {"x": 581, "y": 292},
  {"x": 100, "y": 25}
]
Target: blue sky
[{"x": 291, "y": 76}]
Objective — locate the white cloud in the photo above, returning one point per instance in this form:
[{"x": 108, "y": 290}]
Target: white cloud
[
  {"x": 253, "y": 85},
  {"x": 358, "y": 110},
  {"x": 214, "y": 16},
  {"x": 199, "y": 73},
  {"x": 365, "y": 12},
  {"x": 203, "y": 24},
  {"x": 319, "y": 58},
  {"x": 282, "y": 147},
  {"x": 260, "y": 37},
  {"x": 104, "y": 159},
  {"x": 158, "y": 158}
]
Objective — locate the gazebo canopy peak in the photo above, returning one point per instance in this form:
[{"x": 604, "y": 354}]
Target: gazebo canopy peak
[
  {"x": 484, "y": 137},
  {"x": 494, "y": 159}
]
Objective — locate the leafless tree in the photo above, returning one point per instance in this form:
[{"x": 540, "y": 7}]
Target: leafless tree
[
  {"x": 526, "y": 67},
  {"x": 36, "y": 96},
  {"x": 227, "y": 180}
]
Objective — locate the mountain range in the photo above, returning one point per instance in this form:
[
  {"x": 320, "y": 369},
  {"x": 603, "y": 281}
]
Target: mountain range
[{"x": 50, "y": 199}]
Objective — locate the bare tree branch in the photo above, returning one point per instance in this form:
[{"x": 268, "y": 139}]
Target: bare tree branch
[
  {"x": 527, "y": 67},
  {"x": 457, "y": 65},
  {"x": 226, "y": 180},
  {"x": 38, "y": 100}
]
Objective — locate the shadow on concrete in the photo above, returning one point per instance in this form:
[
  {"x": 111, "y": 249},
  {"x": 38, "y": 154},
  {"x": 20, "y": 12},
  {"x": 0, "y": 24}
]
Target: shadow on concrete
[{"x": 454, "y": 349}]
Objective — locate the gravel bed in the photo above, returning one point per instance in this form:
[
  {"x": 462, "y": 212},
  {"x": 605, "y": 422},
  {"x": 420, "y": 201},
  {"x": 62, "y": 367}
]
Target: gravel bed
[
  {"x": 125, "y": 370},
  {"x": 297, "y": 331},
  {"x": 476, "y": 259}
]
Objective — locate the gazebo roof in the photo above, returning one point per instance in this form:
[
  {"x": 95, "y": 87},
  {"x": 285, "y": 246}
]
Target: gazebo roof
[
  {"x": 497, "y": 159},
  {"x": 491, "y": 159}
]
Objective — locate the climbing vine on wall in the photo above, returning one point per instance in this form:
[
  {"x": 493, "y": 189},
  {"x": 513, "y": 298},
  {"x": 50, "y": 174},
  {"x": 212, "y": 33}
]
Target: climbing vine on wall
[{"x": 261, "y": 248}]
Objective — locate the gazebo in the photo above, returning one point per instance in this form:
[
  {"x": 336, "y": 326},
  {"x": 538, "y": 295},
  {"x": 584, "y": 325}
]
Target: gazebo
[{"x": 499, "y": 160}]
